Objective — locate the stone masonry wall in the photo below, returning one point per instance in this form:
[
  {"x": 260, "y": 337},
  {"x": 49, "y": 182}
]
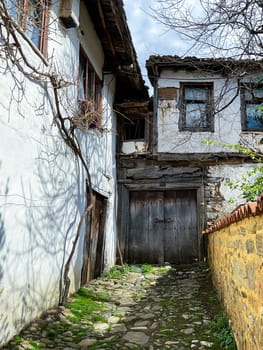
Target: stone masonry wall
[{"x": 235, "y": 253}]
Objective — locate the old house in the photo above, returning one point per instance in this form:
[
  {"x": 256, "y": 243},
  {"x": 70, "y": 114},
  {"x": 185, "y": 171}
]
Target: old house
[
  {"x": 63, "y": 66},
  {"x": 174, "y": 162}
]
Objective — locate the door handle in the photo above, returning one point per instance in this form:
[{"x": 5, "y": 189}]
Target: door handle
[{"x": 156, "y": 220}]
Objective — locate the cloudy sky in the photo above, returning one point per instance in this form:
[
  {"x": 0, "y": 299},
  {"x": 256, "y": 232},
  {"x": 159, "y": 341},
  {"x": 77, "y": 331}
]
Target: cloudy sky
[{"x": 149, "y": 36}]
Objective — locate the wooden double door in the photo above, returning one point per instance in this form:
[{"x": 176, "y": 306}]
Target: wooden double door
[{"x": 163, "y": 227}]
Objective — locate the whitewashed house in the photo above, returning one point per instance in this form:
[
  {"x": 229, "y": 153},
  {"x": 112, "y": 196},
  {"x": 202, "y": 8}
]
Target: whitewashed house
[
  {"x": 176, "y": 184},
  {"x": 87, "y": 46}
]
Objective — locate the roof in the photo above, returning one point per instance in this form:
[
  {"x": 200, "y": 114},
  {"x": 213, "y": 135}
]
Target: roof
[
  {"x": 110, "y": 23},
  {"x": 223, "y": 66}
]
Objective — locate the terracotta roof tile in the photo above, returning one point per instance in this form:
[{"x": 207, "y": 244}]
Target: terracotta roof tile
[{"x": 244, "y": 211}]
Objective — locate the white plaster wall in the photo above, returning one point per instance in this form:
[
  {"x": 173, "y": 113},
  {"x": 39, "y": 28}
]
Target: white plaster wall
[
  {"x": 225, "y": 173},
  {"x": 42, "y": 186},
  {"x": 227, "y": 123}
]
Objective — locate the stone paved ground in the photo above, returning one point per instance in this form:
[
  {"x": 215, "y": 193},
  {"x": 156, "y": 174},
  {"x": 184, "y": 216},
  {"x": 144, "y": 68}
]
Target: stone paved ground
[{"x": 147, "y": 308}]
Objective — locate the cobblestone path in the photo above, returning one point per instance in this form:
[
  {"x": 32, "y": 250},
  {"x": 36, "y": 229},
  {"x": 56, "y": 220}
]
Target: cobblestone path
[{"x": 147, "y": 308}]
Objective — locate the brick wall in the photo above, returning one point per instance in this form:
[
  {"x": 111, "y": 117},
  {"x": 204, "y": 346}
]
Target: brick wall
[{"x": 235, "y": 253}]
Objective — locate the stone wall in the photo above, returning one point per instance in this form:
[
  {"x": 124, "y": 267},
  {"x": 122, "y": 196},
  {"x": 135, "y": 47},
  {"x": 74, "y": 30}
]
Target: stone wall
[{"x": 235, "y": 253}]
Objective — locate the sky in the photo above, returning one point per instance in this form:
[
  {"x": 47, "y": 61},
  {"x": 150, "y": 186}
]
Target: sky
[{"x": 150, "y": 37}]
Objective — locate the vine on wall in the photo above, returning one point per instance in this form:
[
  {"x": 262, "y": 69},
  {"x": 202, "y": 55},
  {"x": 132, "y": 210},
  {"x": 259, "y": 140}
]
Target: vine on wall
[{"x": 66, "y": 120}]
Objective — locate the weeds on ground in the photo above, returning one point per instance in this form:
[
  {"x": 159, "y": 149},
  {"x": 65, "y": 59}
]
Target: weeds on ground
[
  {"x": 31, "y": 344},
  {"x": 146, "y": 268},
  {"x": 118, "y": 271},
  {"x": 34, "y": 345},
  {"x": 223, "y": 332},
  {"x": 84, "y": 303},
  {"x": 17, "y": 339}
]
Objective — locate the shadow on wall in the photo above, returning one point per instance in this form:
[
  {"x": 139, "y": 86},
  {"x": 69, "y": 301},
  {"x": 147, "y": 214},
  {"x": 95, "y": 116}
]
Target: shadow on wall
[
  {"x": 45, "y": 218},
  {"x": 44, "y": 226},
  {"x": 3, "y": 316},
  {"x": 3, "y": 254},
  {"x": 46, "y": 194},
  {"x": 2, "y": 243}
]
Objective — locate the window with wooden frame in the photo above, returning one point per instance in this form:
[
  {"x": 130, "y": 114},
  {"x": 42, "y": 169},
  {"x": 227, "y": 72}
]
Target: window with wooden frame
[
  {"x": 196, "y": 107},
  {"x": 89, "y": 95},
  {"x": 32, "y": 15},
  {"x": 251, "y": 101},
  {"x": 134, "y": 129}
]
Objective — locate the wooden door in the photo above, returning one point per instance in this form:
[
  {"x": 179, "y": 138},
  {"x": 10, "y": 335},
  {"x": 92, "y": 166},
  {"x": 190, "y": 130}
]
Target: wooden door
[
  {"x": 94, "y": 241},
  {"x": 163, "y": 227}
]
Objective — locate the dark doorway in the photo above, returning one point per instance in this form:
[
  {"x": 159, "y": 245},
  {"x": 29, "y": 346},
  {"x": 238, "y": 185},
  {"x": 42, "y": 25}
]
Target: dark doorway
[{"x": 93, "y": 254}]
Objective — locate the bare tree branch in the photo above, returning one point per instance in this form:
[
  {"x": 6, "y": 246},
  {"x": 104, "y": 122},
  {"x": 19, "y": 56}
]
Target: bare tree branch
[{"x": 231, "y": 28}]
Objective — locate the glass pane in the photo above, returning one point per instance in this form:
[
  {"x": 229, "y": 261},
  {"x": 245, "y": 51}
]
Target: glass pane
[
  {"x": 257, "y": 93},
  {"x": 91, "y": 84},
  {"x": 34, "y": 21},
  {"x": 196, "y": 94},
  {"x": 195, "y": 116},
  {"x": 98, "y": 94},
  {"x": 135, "y": 129},
  {"x": 254, "y": 116},
  {"x": 12, "y": 7}
]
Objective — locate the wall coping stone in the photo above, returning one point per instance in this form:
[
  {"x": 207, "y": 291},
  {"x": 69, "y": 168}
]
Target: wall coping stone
[{"x": 241, "y": 212}]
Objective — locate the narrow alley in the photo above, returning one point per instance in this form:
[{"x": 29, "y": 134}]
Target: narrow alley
[{"x": 133, "y": 307}]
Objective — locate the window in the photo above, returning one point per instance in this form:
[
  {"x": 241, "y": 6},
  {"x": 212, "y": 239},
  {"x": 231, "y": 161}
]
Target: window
[
  {"x": 32, "y": 15},
  {"x": 251, "y": 99},
  {"x": 89, "y": 91},
  {"x": 134, "y": 129},
  {"x": 196, "y": 107}
]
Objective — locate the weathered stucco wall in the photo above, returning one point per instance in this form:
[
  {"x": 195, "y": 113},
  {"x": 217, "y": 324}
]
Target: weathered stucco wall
[
  {"x": 235, "y": 253},
  {"x": 227, "y": 122},
  {"x": 42, "y": 185},
  {"x": 220, "y": 198}
]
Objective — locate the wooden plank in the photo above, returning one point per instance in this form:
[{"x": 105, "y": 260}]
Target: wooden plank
[
  {"x": 86, "y": 244},
  {"x": 156, "y": 172},
  {"x": 93, "y": 239},
  {"x": 93, "y": 250},
  {"x": 171, "y": 239},
  {"x": 162, "y": 185},
  {"x": 123, "y": 222},
  {"x": 99, "y": 261},
  {"x": 168, "y": 93},
  {"x": 155, "y": 230},
  {"x": 187, "y": 226},
  {"x": 146, "y": 214}
]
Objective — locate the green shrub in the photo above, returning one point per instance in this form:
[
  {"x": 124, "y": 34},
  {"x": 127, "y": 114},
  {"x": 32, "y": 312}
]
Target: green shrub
[{"x": 223, "y": 332}]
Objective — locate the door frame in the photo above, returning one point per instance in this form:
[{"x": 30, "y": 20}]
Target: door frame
[{"x": 92, "y": 266}]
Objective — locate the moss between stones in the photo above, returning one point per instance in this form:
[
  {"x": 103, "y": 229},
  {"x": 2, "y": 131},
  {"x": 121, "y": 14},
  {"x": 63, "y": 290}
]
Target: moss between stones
[{"x": 87, "y": 307}]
